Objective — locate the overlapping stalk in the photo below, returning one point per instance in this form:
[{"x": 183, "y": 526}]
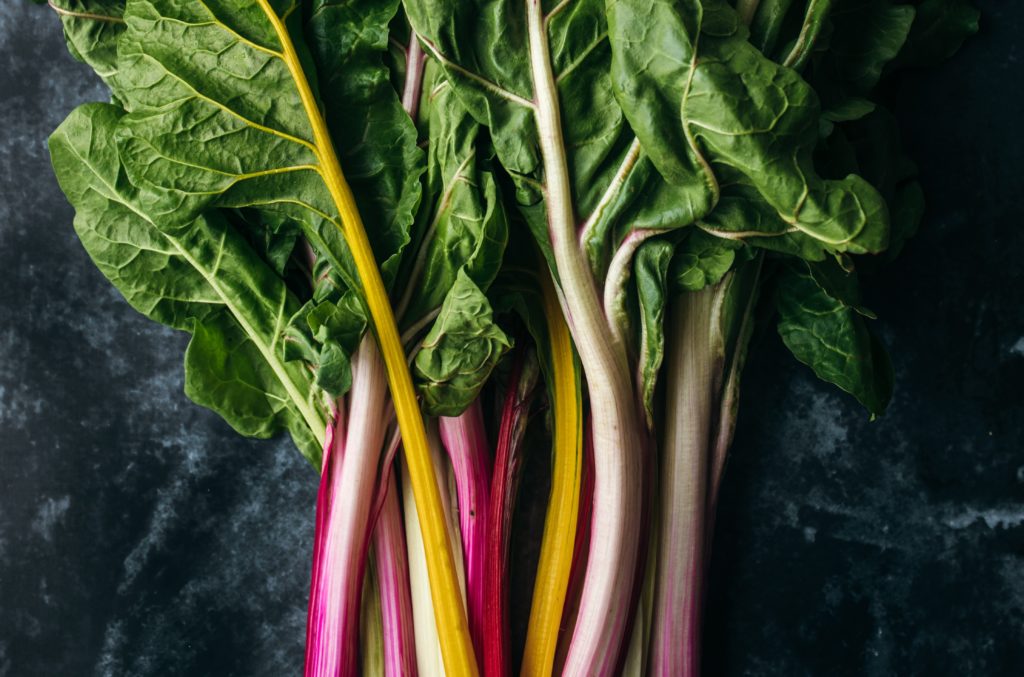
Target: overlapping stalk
[
  {"x": 667, "y": 158},
  {"x": 560, "y": 523},
  {"x": 508, "y": 465},
  {"x": 465, "y": 440},
  {"x": 342, "y": 539}
]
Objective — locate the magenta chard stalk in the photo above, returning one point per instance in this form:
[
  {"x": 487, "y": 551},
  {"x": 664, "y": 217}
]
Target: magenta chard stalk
[
  {"x": 343, "y": 520},
  {"x": 465, "y": 440},
  {"x": 393, "y": 578}
]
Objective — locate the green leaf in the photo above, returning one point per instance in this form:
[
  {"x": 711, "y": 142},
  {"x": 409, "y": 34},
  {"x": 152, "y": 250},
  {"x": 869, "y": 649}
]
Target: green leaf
[
  {"x": 815, "y": 21},
  {"x": 702, "y": 260},
  {"x": 465, "y": 225},
  {"x": 707, "y": 106},
  {"x": 203, "y": 277},
  {"x": 326, "y": 331},
  {"x": 876, "y": 152},
  {"x": 939, "y": 29},
  {"x": 867, "y": 35},
  {"x": 832, "y": 338},
  {"x": 374, "y": 137},
  {"x": 650, "y": 270},
  {"x": 483, "y": 47},
  {"x": 768, "y": 22},
  {"x": 91, "y": 29},
  {"x": 218, "y": 118},
  {"x": 460, "y": 351}
]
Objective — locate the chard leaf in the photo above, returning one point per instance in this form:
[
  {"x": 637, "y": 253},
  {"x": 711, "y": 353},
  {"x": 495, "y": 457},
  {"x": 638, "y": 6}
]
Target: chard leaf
[
  {"x": 832, "y": 338},
  {"x": 850, "y": 109},
  {"x": 484, "y": 48},
  {"x": 650, "y": 270},
  {"x": 374, "y": 137},
  {"x": 272, "y": 236},
  {"x": 203, "y": 278},
  {"x": 702, "y": 260},
  {"x": 326, "y": 331},
  {"x": 766, "y": 27},
  {"x": 939, "y": 28},
  {"x": 223, "y": 113},
  {"x": 815, "y": 21},
  {"x": 458, "y": 354},
  {"x": 872, "y": 147},
  {"x": 706, "y": 103},
  {"x": 867, "y": 35},
  {"x": 91, "y": 29},
  {"x": 465, "y": 226}
]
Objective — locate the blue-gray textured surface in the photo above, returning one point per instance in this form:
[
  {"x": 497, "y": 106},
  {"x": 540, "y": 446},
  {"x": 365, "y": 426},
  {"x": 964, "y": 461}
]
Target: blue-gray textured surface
[{"x": 140, "y": 536}]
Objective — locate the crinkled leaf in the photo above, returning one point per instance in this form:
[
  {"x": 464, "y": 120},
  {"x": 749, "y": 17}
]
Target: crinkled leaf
[
  {"x": 326, "y": 331},
  {"x": 705, "y": 103},
  {"x": 459, "y": 352},
  {"x": 839, "y": 284},
  {"x": 203, "y": 278},
  {"x": 465, "y": 227},
  {"x": 743, "y": 214},
  {"x": 701, "y": 260},
  {"x": 832, "y": 338},
  {"x": 217, "y": 118},
  {"x": 483, "y": 46},
  {"x": 272, "y": 236},
  {"x": 874, "y": 149},
  {"x": 374, "y": 137},
  {"x": 91, "y": 28}
]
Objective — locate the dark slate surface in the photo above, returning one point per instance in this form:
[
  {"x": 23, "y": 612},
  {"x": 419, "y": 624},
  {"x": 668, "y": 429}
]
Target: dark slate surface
[{"x": 140, "y": 536}]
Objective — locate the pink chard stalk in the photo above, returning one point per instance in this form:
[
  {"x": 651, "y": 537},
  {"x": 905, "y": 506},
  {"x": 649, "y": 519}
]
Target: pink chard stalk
[
  {"x": 393, "y": 579},
  {"x": 508, "y": 464},
  {"x": 343, "y": 523},
  {"x": 465, "y": 440}
]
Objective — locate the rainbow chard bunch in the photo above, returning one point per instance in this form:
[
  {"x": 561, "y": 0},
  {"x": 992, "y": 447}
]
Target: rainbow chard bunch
[{"x": 429, "y": 238}]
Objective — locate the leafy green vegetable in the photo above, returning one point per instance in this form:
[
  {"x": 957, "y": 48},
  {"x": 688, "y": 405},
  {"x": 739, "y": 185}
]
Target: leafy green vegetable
[
  {"x": 830, "y": 335},
  {"x": 202, "y": 278},
  {"x": 460, "y": 350},
  {"x": 667, "y": 159},
  {"x": 707, "y": 106},
  {"x": 91, "y": 28}
]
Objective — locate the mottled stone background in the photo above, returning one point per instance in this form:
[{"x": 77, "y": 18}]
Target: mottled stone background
[{"x": 140, "y": 536}]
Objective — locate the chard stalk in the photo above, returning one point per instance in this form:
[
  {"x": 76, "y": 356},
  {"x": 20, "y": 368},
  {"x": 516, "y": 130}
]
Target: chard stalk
[
  {"x": 580, "y": 550},
  {"x": 465, "y": 440},
  {"x": 371, "y": 654},
  {"x": 746, "y": 10},
  {"x": 560, "y": 522},
  {"x": 429, "y": 658},
  {"x": 505, "y": 487},
  {"x": 619, "y": 436},
  {"x": 389, "y": 550},
  {"x": 456, "y": 644},
  {"x": 693, "y": 369},
  {"x": 343, "y": 521},
  {"x": 414, "y": 61}
]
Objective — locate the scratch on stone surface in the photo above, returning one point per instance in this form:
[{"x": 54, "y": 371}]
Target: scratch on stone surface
[
  {"x": 994, "y": 518},
  {"x": 1018, "y": 347},
  {"x": 49, "y": 514},
  {"x": 192, "y": 465},
  {"x": 109, "y": 662}
]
